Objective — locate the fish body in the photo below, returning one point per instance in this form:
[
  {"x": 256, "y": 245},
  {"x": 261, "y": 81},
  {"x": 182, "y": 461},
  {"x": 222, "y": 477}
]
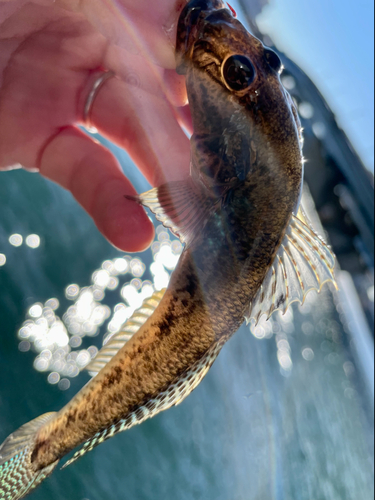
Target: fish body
[{"x": 234, "y": 214}]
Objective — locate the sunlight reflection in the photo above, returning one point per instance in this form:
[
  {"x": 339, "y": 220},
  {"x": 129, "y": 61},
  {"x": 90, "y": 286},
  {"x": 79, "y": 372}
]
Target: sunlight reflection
[
  {"x": 308, "y": 354},
  {"x": 24, "y": 346},
  {"x": 36, "y": 311},
  {"x": 16, "y": 240},
  {"x": 72, "y": 292},
  {"x": 64, "y": 384},
  {"x": 101, "y": 278},
  {"x": 33, "y": 241},
  {"x": 121, "y": 266},
  {"x": 284, "y": 354},
  {"x": 54, "y": 378},
  {"x": 289, "y": 82},
  {"x": 52, "y": 304},
  {"x": 319, "y": 129},
  {"x": 281, "y": 326},
  {"x": 349, "y": 369},
  {"x": 137, "y": 267},
  {"x": 61, "y": 344},
  {"x": 264, "y": 329},
  {"x": 306, "y": 110}
]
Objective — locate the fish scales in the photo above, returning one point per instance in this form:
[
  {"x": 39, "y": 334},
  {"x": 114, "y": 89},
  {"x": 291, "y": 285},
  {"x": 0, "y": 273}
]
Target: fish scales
[
  {"x": 177, "y": 336},
  {"x": 249, "y": 248}
]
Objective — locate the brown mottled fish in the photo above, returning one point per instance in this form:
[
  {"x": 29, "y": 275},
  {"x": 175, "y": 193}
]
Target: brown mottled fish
[{"x": 249, "y": 249}]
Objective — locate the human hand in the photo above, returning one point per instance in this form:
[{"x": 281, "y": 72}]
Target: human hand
[{"x": 50, "y": 54}]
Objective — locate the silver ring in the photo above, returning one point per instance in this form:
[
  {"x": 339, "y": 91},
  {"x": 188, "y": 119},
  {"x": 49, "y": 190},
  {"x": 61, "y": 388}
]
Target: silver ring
[{"x": 97, "y": 85}]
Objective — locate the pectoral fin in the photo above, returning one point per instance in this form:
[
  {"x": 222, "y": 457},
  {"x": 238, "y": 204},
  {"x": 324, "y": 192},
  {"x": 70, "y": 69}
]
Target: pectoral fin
[
  {"x": 303, "y": 263},
  {"x": 179, "y": 206}
]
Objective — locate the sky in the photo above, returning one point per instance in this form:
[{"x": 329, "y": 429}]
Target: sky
[{"x": 333, "y": 42}]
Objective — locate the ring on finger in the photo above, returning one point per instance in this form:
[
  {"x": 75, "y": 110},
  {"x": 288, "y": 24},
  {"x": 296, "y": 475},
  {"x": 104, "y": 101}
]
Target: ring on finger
[{"x": 96, "y": 86}]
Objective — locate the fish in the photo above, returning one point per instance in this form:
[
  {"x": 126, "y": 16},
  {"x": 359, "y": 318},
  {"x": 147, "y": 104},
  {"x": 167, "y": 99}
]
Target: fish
[{"x": 249, "y": 248}]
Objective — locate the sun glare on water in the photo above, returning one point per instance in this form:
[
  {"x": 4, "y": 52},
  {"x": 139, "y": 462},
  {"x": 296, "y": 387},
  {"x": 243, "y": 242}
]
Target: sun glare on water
[{"x": 58, "y": 339}]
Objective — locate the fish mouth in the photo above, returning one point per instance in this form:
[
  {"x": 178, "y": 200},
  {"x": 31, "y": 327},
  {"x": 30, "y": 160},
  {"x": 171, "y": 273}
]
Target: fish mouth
[{"x": 189, "y": 24}]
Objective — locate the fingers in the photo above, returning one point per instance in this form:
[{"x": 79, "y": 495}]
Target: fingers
[
  {"x": 146, "y": 126},
  {"x": 141, "y": 27},
  {"x": 92, "y": 174},
  {"x": 141, "y": 72},
  {"x": 43, "y": 96},
  {"x": 41, "y": 79},
  {"x": 44, "y": 90},
  {"x": 175, "y": 88},
  {"x": 185, "y": 118}
]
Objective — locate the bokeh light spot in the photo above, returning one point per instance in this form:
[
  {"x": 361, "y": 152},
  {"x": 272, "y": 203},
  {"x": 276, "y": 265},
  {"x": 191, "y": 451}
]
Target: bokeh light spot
[
  {"x": 53, "y": 378},
  {"x": 83, "y": 358},
  {"x": 101, "y": 278},
  {"x": 72, "y": 292},
  {"x": 121, "y": 266},
  {"x": 33, "y": 241},
  {"x": 24, "y": 346},
  {"x": 93, "y": 351},
  {"x": 41, "y": 364},
  {"x": 288, "y": 82},
  {"x": 16, "y": 240},
  {"x": 306, "y": 110},
  {"x": 308, "y": 354},
  {"x": 319, "y": 129},
  {"x": 64, "y": 384},
  {"x": 349, "y": 369},
  {"x": 53, "y": 304},
  {"x": 36, "y": 310},
  {"x": 75, "y": 341}
]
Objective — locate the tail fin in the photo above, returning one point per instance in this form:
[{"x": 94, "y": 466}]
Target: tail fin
[{"x": 17, "y": 474}]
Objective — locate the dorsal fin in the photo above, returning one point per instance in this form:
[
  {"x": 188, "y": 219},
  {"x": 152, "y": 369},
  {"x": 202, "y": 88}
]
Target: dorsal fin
[
  {"x": 179, "y": 206},
  {"x": 130, "y": 327},
  {"x": 303, "y": 263}
]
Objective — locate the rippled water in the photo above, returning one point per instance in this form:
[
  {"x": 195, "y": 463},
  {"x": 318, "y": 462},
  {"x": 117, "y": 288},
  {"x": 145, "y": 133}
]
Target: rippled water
[{"x": 283, "y": 413}]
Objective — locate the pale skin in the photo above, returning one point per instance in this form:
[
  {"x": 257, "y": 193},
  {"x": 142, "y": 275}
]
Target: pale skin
[{"x": 50, "y": 55}]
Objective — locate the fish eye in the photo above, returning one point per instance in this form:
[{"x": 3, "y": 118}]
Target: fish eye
[
  {"x": 273, "y": 60},
  {"x": 238, "y": 72}
]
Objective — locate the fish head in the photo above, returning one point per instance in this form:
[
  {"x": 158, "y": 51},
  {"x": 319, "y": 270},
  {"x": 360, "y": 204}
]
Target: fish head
[{"x": 241, "y": 112}]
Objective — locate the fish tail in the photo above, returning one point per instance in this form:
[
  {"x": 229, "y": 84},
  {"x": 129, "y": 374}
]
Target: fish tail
[{"x": 18, "y": 475}]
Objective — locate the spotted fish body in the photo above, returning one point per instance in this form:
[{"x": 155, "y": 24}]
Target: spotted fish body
[{"x": 249, "y": 250}]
